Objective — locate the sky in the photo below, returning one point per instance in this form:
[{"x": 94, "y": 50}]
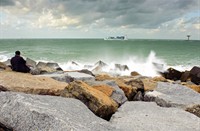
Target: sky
[{"x": 137, "y": 19}]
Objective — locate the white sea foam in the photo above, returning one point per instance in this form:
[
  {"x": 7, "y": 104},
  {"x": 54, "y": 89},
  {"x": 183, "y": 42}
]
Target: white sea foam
[
  {"x": 149, "y": 66},
  {"x": 4, "y": 55}
]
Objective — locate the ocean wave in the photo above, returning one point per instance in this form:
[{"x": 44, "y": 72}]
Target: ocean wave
[{"x": 149, "y": 66}]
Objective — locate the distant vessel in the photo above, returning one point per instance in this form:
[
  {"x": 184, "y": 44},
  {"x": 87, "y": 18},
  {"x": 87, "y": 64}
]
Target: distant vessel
[{"x": 116, "y": 38}]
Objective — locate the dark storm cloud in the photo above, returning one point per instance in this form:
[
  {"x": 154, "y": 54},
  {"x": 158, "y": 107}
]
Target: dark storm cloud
[
  {"x": 113, "y": 13},
  {"x": 137, "y": 13},
  {"x": 6, "y": 2}
]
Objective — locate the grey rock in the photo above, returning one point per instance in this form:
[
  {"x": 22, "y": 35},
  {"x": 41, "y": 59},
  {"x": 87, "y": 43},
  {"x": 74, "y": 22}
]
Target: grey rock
[
  {"x": 147, "y": 116},
  {"x": 173, "y": 95},
  {"x": 100, "y": 63},
  {"x": 121, "y": 67},
  {"x": 49, "y": 67},
  {"x": 31, "y": 62},
  {"x": 24, "y": 112},
  {"x": 54, "y": 66},
  {"x": 139, "y": 96},
  {"x": 86, "y": 72},
  {"x": 59, "y": 76},
  {"x": 69, "y": 76},
  {"x": 117, "y": 95},
  {"x": 195, "y": 75},
  {"x": 80, "y": 76}
]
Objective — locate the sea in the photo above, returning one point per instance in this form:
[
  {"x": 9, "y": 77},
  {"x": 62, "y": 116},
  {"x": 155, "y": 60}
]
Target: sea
[{"x": 145, "y": 56}]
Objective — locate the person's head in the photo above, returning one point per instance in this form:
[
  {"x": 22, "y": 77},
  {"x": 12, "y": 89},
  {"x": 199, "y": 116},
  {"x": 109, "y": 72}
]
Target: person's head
[{"x": 17, "y": 52}]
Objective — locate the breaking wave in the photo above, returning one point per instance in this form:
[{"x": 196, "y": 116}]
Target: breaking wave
[{"x": 149, "y": 66}]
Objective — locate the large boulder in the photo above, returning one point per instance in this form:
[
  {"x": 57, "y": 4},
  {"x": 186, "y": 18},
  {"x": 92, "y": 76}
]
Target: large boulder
[
  {"x": 195, "y": 75},
  {"x": 172, "y": 74},
  {"x": 135, "y": 82},
  {"x": 173, "y": 95},
  {"x": 48, "y": 67},
  {"x": 129, "y": 91},
  {"x": 185, "y": 76},
  {"x": 147, "y": 116},
  {"x": 25, "y": 112},
  {"x": 27, "y": 83},
  {"x": 31, "y": 63},
  {"x": 111, "y": 89},
  {"x": 97, "y": 101}
]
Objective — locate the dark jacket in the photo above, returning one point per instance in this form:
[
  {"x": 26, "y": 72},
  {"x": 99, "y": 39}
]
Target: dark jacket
[{"x": 19, "y": 64}]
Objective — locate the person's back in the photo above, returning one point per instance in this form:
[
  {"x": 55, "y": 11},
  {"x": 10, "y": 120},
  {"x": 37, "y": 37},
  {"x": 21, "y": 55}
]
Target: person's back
[{"x": 19, "y": 64}]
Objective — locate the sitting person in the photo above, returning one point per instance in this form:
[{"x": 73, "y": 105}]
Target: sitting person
[{"x": 19, "y": 64}]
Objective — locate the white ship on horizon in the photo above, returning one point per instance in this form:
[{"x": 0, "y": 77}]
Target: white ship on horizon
[{"x": 116, "y": 38}]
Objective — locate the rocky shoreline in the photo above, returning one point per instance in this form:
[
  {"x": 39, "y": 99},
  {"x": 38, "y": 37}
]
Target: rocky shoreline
[{"x": 52, "y": 99}]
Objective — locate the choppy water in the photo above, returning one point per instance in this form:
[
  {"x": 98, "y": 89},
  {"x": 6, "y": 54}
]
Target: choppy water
[{"x": 137, "y": 54}]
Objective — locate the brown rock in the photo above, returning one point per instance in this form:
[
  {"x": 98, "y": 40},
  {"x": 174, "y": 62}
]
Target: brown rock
[
  {"x": 195, "y": 70},
  {"x": 4, "y": 67},
  {"x": 159, "y": 79},
  {"x": 172, "y": 74},
  {"x": 106, "y": 89},
  {"x": 129, "y": 91},
  {"x": 136, "y": 82},
  {"x": 185, "y": 76},
  {"x": 149, "y": 84},
  {"x": 102, "y": 77},
  {"x": 195, "y": 75},
  {"x": 97, "y": 101},
  {"x": 134, "y": 73},
  {"x": 27, "y": 83}
]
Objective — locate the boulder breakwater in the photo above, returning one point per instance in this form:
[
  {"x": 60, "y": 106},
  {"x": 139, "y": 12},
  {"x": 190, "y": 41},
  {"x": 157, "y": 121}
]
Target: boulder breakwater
[{"x": 50, "y": 98}]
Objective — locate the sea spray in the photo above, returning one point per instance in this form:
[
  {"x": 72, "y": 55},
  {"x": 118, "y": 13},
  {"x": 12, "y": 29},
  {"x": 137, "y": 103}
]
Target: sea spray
[{"x": 149, "y": 66}]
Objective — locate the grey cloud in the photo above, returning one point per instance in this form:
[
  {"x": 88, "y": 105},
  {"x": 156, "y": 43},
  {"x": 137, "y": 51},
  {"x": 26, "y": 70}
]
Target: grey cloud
[
  {"x": 7, "y": 2},
  {"x": 136, "y": 13},
  {"x": 143, "y": 13}
]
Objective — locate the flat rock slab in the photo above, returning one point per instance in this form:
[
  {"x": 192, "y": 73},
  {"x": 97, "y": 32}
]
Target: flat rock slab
[
  {"x": 173, "y": 95},
  {"x": 80, "y": 76},
  {"x": 27, "y": 83},
  {"x": 147, "y": 116},
  {"x": 25, "y": 112},
  {"x": 70, "y": 76}
]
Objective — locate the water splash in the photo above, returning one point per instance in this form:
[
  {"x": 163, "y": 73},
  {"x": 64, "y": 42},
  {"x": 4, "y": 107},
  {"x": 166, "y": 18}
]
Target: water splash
[{"x": 149, "y": 66}]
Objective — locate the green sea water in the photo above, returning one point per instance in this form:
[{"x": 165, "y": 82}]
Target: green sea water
[{"x": 176, "y": 53}]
